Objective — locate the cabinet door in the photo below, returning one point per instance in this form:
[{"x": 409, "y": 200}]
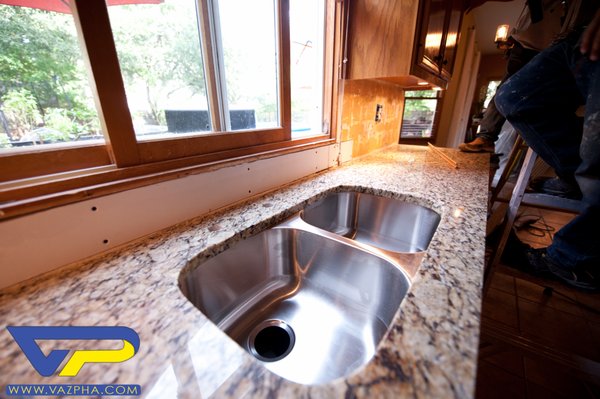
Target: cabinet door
[
  {"x": 451, "y": 39},
  {"x": 430, "y": 44},
  {"x": 380, "y": 35}
]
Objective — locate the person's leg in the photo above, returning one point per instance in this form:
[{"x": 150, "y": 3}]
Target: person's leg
[
  {"x": 540, "y": 102},
  {"x": 577, "y": 244},
  {"x": 492, "y": 121}
]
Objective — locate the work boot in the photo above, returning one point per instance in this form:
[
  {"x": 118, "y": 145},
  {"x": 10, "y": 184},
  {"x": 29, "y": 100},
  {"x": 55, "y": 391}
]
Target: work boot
[
  {"x": 478, "y": 145},
  {"x": 583, "y": 278}
]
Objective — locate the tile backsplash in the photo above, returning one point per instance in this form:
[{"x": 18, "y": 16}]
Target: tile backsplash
[{"x": 360, "y": 101}]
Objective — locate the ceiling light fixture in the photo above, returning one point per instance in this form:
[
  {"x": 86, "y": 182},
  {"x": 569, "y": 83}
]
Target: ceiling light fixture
[{"x": 502, "y": 39}]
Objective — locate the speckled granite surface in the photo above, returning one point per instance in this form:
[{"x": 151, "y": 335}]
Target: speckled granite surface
[{"x": 429, "y": 352}]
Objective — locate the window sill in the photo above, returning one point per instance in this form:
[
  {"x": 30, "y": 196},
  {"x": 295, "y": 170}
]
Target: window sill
[{"x": 34, "y": 195}]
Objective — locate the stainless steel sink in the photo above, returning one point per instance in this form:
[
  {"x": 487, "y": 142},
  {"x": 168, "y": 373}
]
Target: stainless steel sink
[
  {"x": 312, "y": 297},
  {"x": 381, "y": 222},
  {"x": 311, "y": 307}
]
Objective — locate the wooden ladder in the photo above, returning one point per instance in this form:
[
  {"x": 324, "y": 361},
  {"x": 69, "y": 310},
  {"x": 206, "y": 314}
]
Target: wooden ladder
[{"x": 520, "y": 197}]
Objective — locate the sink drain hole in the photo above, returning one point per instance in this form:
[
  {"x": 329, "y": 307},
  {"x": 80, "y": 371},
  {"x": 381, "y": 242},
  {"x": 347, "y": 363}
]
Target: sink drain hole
[{"x": 271, "y": 340}]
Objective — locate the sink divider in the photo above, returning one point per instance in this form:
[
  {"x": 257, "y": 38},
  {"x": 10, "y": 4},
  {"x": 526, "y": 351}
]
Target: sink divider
[{"x": 405, "y": 262}]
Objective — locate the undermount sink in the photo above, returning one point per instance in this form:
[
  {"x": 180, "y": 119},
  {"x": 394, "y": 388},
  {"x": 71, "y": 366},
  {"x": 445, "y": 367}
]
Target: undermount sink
[
  {"x": 384, "y": 223},
  {"x": 312, "y": 297}
]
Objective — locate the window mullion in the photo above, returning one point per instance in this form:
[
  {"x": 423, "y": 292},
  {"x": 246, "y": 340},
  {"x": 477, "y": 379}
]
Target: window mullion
[
  {"x": 211, "y": 62},
  {"x": 100, "y": 55},
  {"x": 220, "y": 65},
  {"x": 285, "y": 97},
  {"x": 329, "y": 65}
]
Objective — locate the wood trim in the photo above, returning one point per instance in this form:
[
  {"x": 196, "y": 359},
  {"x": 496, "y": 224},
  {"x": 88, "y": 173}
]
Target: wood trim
[
  {"x": 42, "y": 161},
  {"x": 180, "y": 147},
  {"x": 407, "y": 82},
  {"x": 285, "y": 91},
  {"x": 33, "y": 189},
  {"x": 336, "y": 68},
  {"x": 210, "y": 66},
  {"x": 446, "y": 67},
  {"x": 94, "y": 32},
  {"x": 345, "y": 38},
  {"x": 38, "y": 196},
  {"x": 425, "y": 74},
  {"x": 329, "y": 61}
]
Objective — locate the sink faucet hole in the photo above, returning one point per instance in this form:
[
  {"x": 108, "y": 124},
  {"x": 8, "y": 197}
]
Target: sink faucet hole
[{"x": 271, "y": 340}]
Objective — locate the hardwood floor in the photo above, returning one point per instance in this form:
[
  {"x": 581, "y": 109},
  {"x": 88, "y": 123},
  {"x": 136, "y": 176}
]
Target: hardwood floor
[{"x": 540, "y": 338}]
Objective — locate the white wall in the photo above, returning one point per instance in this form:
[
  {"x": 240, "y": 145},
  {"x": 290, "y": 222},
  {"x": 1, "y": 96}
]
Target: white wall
[
  {"x": 465, "y": 93},
  {"x": 454, "y": 118},
  {"x": 489, "y": 16},
  {"x": 43, "y": 241}
]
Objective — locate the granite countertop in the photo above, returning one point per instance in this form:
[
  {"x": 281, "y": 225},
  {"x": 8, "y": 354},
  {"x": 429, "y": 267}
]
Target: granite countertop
[{"x": 430, "y": 351}]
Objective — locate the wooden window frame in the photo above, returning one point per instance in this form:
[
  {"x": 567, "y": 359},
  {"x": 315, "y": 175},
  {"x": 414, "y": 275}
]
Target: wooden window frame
[
  {"x": 94, "y": 26},
  {"x": 122, "y": 158}
]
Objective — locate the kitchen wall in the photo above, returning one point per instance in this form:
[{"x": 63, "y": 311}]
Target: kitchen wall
[
  {"x": 457, "y": 100},
  {"x": 360, "y": 99},
  {"x": 43, "y": 241},
  {"x": 491, "y": 67}
]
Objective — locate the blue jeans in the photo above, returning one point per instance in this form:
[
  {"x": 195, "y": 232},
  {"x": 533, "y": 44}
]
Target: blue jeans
[
  {"x": 540, "y": 102},
  {"x": 492, "y": 121}
]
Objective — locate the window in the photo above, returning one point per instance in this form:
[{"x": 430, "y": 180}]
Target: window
[
  {"x": 45, "y": 97},
  {"x": 158, "y": 84},
  {"x": 160, "y": 58},
  {"x": 490, "y": 92},
  {"x": 307, "y": 43},
  {"x": 420, "y": 111},
  {"x": 248, "y": 64}
]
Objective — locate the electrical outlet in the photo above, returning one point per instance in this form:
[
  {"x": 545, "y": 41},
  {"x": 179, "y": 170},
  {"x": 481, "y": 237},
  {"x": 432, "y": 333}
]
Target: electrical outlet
[{"x": 378, "y": 111}]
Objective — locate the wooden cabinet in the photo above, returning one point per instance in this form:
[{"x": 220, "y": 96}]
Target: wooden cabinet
[
  {"x": 380, "y": 38},
  {"x": 403, "y": 40},
  {"x": 437, "y": 38}
]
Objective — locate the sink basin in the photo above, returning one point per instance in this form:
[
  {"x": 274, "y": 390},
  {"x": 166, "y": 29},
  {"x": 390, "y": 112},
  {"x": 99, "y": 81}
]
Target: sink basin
[
  {"x": 312, "y": 297},
  {"x": 384, "y": 223},
  {"x": 312, "y": 307}
]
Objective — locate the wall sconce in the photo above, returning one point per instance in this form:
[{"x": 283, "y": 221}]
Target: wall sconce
[{"x": 502, "y": 41}]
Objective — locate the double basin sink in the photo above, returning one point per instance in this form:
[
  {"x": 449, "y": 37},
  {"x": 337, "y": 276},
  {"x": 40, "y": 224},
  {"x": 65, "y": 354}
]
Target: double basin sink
[{"x": 312, "y": 297}]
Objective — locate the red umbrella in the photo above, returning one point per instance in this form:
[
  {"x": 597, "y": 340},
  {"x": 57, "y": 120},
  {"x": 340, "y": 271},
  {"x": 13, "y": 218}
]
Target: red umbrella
[{"x": 63, "y": 5}]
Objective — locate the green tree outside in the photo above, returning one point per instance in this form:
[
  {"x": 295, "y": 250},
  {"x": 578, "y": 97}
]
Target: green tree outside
[
  {"x": 43, "y": 80},
  {"x": 40, "y": 70}
]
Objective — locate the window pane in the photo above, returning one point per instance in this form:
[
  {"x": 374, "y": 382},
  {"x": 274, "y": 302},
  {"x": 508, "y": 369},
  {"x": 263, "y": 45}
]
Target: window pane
[
  {"x": 418, "y": 118},
  {"x": 421, "y": 93},
  {"x": 307, "y": 24},
  {"x": 160, "y": 56},
  {"x": 248, "y": 33},
  {"x": 490, "y": 92},
  {"x": 45, "y": 97}
]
